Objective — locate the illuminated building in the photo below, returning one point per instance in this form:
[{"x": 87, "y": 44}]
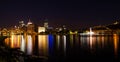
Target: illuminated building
[
  {"x": 41, "y": 29},
  {"x": 21, "y": 24},
  {"x": 46, "y": 24},
  {"x": 47, "y": 27},
  {"x": 4, "y": 32},
  {"x": 30, "y": 27}
]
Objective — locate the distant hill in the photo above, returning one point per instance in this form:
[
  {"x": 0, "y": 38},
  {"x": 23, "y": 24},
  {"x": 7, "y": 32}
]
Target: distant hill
[{"x": 114, "y": 26}]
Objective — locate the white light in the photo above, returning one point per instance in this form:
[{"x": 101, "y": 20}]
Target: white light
[
  {"x": 90, "y": 33},
  {"x": 41, "y": 29}
]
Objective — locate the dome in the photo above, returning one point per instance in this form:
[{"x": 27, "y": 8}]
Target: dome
[{"x": 29, "y": 22}]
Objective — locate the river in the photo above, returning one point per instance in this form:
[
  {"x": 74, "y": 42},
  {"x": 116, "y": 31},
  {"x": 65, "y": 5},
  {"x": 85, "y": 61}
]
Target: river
[{"x": 60, "y": 48}]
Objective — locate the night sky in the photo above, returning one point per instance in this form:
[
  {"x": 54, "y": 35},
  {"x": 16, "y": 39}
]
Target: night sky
[{"x": 72, "y": 13}]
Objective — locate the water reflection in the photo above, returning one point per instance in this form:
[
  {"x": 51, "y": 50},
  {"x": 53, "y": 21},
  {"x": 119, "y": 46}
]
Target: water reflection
[
  {"x": 29, "y": 45},
  {"x": 100, "y": 41},
  {"x": 77, "y": 39},
  {"x": 116, "y": 39},
  {"x": 64, "y": 43},
  {"x": 50, "y": 43},
  {"x": 91, "y": 42},
  {"x": 43, "y": 45},
  {"x": 84, "y": 41},
  {"x": 94, "y": 42},
  {"x": 58, "y": 41},
  {"x": 23, "y": 44},
  {"x": 14, "y": 41},
  {"x": 71, "y": 40}
]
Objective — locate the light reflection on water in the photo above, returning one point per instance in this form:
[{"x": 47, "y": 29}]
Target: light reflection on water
[
  {"x": 116, "y": 40},
  {"x": 46, "y": 45},
  {"x": 71, "y": 40},
  {"x": 43, "y": 45},
  {"x": 29, "y": 45},
  {"x": 58, "y": 41},
  {"x": 64, "y": 42},
  {"x": 23, "y": 43}
]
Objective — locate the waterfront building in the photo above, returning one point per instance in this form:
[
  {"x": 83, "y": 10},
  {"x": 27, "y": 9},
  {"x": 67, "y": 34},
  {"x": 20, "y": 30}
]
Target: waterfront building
[{"x": 41, "y": 29}]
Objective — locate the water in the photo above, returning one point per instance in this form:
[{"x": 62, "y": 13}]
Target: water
[{"x": 60, "y": 48}]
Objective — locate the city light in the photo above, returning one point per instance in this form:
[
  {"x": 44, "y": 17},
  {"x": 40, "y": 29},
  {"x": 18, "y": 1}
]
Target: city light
[
  {"x": 90, "y": 33},
  {"x": 41, "y": 29}
]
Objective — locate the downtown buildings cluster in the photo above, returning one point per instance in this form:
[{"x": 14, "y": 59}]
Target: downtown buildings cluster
[{"x": 32, "y": 29}]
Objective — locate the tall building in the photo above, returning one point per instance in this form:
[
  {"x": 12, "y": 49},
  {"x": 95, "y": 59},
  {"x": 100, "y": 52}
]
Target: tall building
[
  {"x": 30, "y": 27},
  {"x": 46, "y": 23},
  {"x": 21, "y": 24}
]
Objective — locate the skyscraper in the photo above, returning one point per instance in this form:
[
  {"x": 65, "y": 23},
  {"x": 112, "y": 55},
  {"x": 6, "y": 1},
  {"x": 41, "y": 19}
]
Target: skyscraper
[
  {"x": 30, "y": 27},
  {"x": 21, "y": 24},
  {"x": 46, "y": 23}
]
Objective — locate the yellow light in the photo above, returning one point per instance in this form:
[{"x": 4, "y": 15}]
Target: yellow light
[
  {"x": 71, "y": 32},
  {"x": 43, "y": 45},
  {"x": 116, "y": 39},
  {"x": 12, "y": 41},
  {"x": 41, "y": 29}
]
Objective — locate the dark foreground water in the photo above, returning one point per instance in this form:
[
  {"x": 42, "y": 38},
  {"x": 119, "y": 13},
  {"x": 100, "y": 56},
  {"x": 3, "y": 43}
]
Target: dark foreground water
[{"x": 63, "y": 48}]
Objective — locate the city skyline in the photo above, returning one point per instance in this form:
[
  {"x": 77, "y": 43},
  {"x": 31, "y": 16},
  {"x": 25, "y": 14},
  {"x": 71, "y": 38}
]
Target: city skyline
[
  {"x": 74, "y": 14},
  {"x": 59, "y": 30}
]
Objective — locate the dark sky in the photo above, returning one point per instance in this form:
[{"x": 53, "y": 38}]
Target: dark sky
[{"x": 73, "y": 13}]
